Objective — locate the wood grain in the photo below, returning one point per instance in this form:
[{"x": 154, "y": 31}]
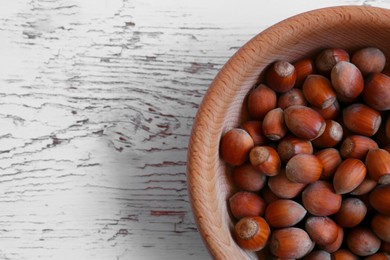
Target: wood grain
[
  {"x": 349, "y": 28},
  {"x": 98, "y": 100}
]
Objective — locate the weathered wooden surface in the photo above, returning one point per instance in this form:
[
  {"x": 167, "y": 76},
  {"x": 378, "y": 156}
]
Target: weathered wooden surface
[{"x": 97, "y": 103}]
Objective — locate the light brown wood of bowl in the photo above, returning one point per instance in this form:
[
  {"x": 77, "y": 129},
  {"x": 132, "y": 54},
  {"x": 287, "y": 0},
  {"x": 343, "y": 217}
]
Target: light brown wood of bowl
[{"x": 348, "y": 27}]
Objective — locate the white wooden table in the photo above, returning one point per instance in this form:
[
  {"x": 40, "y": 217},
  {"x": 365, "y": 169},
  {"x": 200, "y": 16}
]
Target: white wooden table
[{"x": 97, "y": 103}]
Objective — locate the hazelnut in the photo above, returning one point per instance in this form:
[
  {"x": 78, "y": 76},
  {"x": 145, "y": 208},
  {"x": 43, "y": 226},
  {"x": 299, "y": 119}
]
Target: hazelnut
[
  {"x": 380, "y": 199},
  {"x": 365, "y": 187},
  {"x": 304, "y": 122},
  {"x": 380, "y": 224},
  {"x": 332, "y": 247},
  {"x": 378, "y": 163},
  {"x": 265, "y": 159},
  {"x": 362, "y": 241},
  {"x": 274, "y": 127},
  {"x": 318, "y": 91},
  {"x": 255, "y": 130},
  {"x": 347, "y": 80},
  {"x": 282, "y": 187},
  {"x": 362, "y": 119},
  {"x": 246, "y": 204},
  {"x": 292, "y": 97},
  {"x": 318, "y": 255},
  {"x": 291, "y": 145},
  {"x": 351, "y": 213},
  {"x": 330, "y": 112},
  {"x": 331, "y": 136},
  {"x": 328, "y": 58},
  {"x": 284, "y": 213},
  {"x": 377, "y": 92},
  {"x": 303, "y": 68},
  {"x": 247, "y": 178},
  {"x": 235, "y": 146},
  {"x": 320, "y": 199},
  {"x": 251, "y": 233},
  {"x": 261, "y": 100},
  {"x": 304, "y": 168},
  {"x": 369, "y": 60},
  {"x": 349, "y": 175},
  {"x": 290, "y": 243},
  {"x": 322, "y": 230},
  {"x": 281, "y": 76},
  {"x": 330, "y": 158},
  {"x": 357, "y": 146}
]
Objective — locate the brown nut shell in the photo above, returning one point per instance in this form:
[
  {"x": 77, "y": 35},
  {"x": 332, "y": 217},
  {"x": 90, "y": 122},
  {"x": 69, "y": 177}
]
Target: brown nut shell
[
  {"x": 347, "y": 80},
  {"x": 235, "y": 146},
  {"x": 328, "y": 58},
  {"x": 369, "y": 60},
  {"x": 357, "y": 146},
  {"x": 290, "y": 243},
  {"x": 261, "y": 100},
  {"x": 330, "y": 112},
  {"x": 322, "y": 230},
  {"x": 304, "y": 122},
  {"x": 344, "y": 254},
  {"x": 247, "y": 178},
  {"x": 320, "y": 199},
  {"x": 246, "y": 204},
  {"x": 318, "y": 91},
  {"x": 362, "y": 119},
  {"x": 281, "y": 76},
  {"x": 274, "y": 127},
  {"x": 304, "y": 168},
  {"x": 380, "y": 199},
  {"x": 378, "y": 163},
  {"x": 292, "y": 97},
  {"x": 349, "y": 175},
  {"x": 376, "y": 91},
  {"x": 332, "y": 247},
  {"x": 380, "y": 225},
  {"x": 252, "y": 233},
  {"x": 255, "y": 130},
  {"x": 331, "y": 136},
  {"x": 351, "y": 213},
  {"x": 330, "y": 159},
  {"x": 362, "y": 241},
  {"x": 284, "y": 213},
  {"x": 282, "y": 187},
  {"x": 291, "y": 146},
  {"x": 303, "y": 68},
  {"x": 265, "y": 159}
]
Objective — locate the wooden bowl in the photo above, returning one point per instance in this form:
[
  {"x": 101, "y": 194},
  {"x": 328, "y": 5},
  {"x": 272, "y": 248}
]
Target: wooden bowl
[{"x": 348, "y": 27}]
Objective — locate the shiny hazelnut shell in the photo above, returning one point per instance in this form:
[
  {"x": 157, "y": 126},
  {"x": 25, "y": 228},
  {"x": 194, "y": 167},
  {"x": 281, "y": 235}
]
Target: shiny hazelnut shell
[
  {"x": 261, "y": 100},
  {"x": 376, "y": 91},
  {"x": 351, "y": 213},
  {"x": 255, "y": 130},
  {"x": 304, "y": 122},
  {"x": 328, "y": 58},
  {"x": 347, "y": 80},
  {"x": 274, "y": 127},
  {"x": 331, "y": 136},
  {"x": 362, "y": 241},
  {"x": 378, "y": 163},
  {"x": 303, "y": 68},
  {"x": 344, "y": 254},
  {"x": 318, "y": 91},
  {"x": 247, "y": 178},
  {"x": 235, "y": 146},
  {"x": 320, "y": 199},
  {"x": 330, "y": 159},
  {"x": 369, "y": 60},
  {"x": 246, "y": 204},
  {"x": 284, "y": 188},
  {"x": 304, "y": 168},
  {"x": 380, "y": 199},
  {"x": 265, "y": 159},
  {"x": 357, "y": 146},
  {"x": 284, "y": 213},
  {"x": 281, "y": 76},
  {"x": 322, "y": 230},
  {"x": 362, "y": 119},
  {"x": 290, "y": 243},
  {"x": 349, "y": 175},
  {"x": 252, "y": 233},
  {"x": 380, "y": 225},
  {"x": 332, "y": 247},
  {"x": 291, "y": 146},
  {"x": 292, "y": 97}
]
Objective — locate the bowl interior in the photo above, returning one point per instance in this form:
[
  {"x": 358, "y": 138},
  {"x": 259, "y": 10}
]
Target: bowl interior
[{"x": 223, "y": 107}]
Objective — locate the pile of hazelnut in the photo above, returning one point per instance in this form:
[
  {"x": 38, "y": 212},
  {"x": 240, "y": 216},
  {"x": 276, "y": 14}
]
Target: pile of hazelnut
[{"x": 312, "y": 163}]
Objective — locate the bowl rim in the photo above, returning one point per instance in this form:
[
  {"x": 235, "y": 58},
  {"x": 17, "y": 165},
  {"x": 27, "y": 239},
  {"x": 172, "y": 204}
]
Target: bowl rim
[{"x": 201, "y": 131}]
